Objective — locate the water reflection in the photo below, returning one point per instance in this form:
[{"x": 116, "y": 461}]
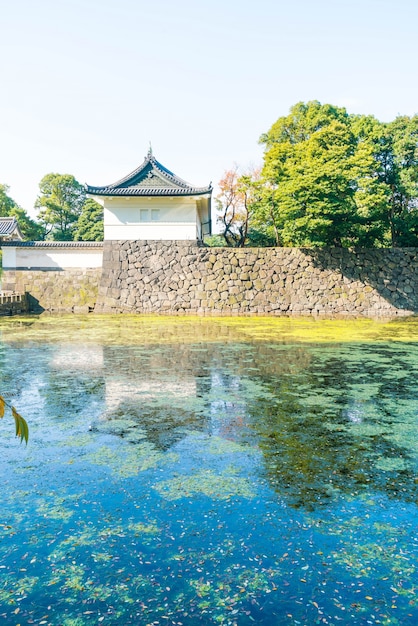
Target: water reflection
[
  {"x": 326, "y": 420},
  {"x": 220, "y": 478}
]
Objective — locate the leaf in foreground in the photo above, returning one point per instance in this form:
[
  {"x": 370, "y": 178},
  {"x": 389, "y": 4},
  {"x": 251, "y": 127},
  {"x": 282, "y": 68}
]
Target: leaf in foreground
[{"x": 22, "y": 428}]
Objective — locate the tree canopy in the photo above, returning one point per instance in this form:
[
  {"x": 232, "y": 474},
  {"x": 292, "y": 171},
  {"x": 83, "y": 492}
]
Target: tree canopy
[
  {"x": 236, "y": 203},
  {"x": 89, "y": 226},
  {"x": 60, "y": 204},
  {"x": 9, "y": 208},
  {"x": 65, "y": 213},
  {"x": 330, "y": 178}
]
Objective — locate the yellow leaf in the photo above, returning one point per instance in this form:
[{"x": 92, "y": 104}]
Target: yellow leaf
[
  {"x": 2, "y": 405},
  {"x": 22, "y": 429}
]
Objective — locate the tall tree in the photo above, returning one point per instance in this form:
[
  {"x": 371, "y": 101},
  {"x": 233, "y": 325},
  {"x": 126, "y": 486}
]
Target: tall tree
[
  {"x": 6, "y": 202},
  {"x": 398, "y": 157},
  {"x": 60, "y": 204},
  {"x": 313, "y": 166},
  {"x": 29, "y": 228},
  {"x": 331, "y": 178},
  {"x": 89, "y": 225}
]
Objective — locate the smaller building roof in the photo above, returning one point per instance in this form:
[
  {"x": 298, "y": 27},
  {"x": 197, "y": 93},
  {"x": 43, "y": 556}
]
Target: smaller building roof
[
  {"x": 149, "y": 179},
  {"x": 9, "y": 228},
  {"x": 52, "y": 244}
]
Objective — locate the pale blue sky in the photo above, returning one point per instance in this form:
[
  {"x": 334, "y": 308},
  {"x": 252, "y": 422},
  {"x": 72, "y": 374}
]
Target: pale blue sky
[{"x": 87, "y": 84}]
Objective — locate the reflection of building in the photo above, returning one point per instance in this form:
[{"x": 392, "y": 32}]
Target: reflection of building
[
  {"x": 144, "y": 390},
  {"x": 154, "y": 390},
  {"x": 153, "y": 203},
  {"x": 72, "y": 358}
]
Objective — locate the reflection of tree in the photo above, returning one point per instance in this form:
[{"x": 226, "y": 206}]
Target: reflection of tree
[
  {"x": 66, "y": 395},
  {"x": 162, "y": 426},
  {"x": 13, "y": 360},
  {"x": 299, "y": 404},
  {"x": 311, "y": 451},
  {"x": 165, "y": 391}
]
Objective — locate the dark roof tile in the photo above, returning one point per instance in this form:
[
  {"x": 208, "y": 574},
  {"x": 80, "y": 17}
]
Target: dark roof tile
[
  {"x": 52, "y": 244},
  {"x": 149, "y": 179},
  {"x": 9, "y": 226}
]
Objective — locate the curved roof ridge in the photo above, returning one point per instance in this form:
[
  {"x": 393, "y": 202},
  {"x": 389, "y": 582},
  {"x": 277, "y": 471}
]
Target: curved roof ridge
[
  {"x": 138, "y": 182},
  {"x": 174, "y": 177},
  {"x": 131, "y": 175}
]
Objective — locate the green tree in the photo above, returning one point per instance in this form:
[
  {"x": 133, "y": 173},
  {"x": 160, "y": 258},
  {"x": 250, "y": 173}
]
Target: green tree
[
  {"x": 60, "y": 204},
  {"x": 397, "y": 154},
  {"x": 330, "y": 178},
  {"x": 9, "y": 208},
  {"x": 30, "y": 229},
  {"x": 314, "y": 165},
  {"x": 6, "y": 202},
  {"x": 89, "y": 226}
]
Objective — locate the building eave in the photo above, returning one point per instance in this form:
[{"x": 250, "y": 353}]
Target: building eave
[
  {"x": 133, "y": 184},
  {"x": 159, "y": 191},
  {"x": 51, "y": 244}
]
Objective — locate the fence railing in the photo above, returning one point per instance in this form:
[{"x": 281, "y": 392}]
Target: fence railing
[{"x": 11, "y": 296}]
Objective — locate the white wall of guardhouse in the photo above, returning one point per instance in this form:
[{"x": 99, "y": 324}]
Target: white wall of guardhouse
[{"x": 150, "y": 218}]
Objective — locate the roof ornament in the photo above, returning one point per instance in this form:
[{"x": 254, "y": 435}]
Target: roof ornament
[{"x": 151, "y": 178}]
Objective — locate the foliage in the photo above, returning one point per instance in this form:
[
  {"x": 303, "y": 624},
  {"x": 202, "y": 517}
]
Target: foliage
[
  {"x": 214, "y": 241},
  {"x": 89, "y": 225},
  {"x": 330, "y": 178},
  {"x": 6, "y": 202},
  {"x": 397, "y": 155},
  {"x": 22, "y": 429},
  {"x": 65, "y": 214},
  {"x": 9, "y": 208},
  {"x": 261, "y": 236},
  {"x": 30, "y": 229},
  {"x": 313, "y": 165},
  {"x": 61, "y": 201},
  {"x": 236, "y": 201}
]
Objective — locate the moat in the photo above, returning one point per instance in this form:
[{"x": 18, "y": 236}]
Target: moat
[{"x": 209, "y": 471}]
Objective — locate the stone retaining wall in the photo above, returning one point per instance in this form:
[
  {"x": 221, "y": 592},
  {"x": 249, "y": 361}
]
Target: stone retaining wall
[
  {"x": 64, "y": 290},
  {"x": 177, "y": 277}
]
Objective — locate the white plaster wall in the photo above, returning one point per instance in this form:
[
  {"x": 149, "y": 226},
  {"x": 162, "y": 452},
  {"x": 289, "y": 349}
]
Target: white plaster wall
[
  {"x": 140, "y": 232},
  {"x": 150, "y": 218},
  {"x": 52, "y": 258},
  {"x": 9, "y": 257}
]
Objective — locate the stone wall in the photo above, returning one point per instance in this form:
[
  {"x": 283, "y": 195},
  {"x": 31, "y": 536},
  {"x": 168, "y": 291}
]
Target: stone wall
[
  {"x": 177, "y": 277},
  {"x": 64, "y": 290}
]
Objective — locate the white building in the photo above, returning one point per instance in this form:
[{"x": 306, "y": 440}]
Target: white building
[{"x": 153, "y": 203}]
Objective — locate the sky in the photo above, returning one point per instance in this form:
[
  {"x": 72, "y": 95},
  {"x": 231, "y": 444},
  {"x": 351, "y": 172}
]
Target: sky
[{"x": 87, "y": 85}]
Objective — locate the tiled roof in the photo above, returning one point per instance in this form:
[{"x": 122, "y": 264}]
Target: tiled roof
[
  {"x": 9, "y": 226},
  {"x": 53, "y": 244},
  {"x": 149, "y": 179}
]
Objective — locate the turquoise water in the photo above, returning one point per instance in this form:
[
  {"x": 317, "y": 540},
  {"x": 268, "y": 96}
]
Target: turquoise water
[{"x": 185, "y": 471}]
